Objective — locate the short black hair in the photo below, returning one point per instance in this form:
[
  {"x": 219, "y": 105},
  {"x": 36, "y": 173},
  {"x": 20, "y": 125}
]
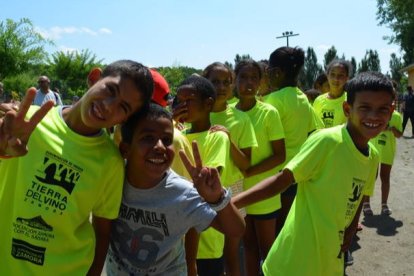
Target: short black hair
[
  {"x": 368, "y": 81},
  {"x": 153, "y": 112},
  {"x": 138, "y": 73},
  {"x": 248, "y": 62},
  {"x": 289, "y": 60},
  {"x": 346, "y": 64},
  {"x": 320, "y": 80},
  {"x": 204, "y": 88}
]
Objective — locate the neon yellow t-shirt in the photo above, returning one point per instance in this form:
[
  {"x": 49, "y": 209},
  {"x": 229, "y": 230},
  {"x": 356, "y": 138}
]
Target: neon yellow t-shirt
[
  {"x": 325, "y": 204},
  {"x": 241, "y": 132},
  {"x": 385, "y": 142},
  {"x": 214, "y": 152},
  {"x": 232, "y": 101},
  {"x": 268, "y": 127},
  {"x": 180, "y": 142},
  {"x": 47, "y": 196},
  {"x": 330, "y": 110},
  {"x": 297, "y": 117}
]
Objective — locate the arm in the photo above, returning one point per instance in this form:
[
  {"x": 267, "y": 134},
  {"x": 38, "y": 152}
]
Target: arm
[
  {"x": 277, "y": 158},
  {"x": 191, "y": 248},
  {"x": 240, "y": 157},
  {"x": 395, "y": 131},
  {"x": 264, "y": 189},
  {"x": 350, "y": 231},
  {"x": 207, "y": 182},
  {"x": 102, "y": 229},
  {"x": 15, "y": 130}
]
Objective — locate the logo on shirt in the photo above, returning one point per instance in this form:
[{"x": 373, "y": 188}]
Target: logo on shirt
[
  {"x": 34, "y": 228},
  {"x": 53, "y": 183},
  {"x": 328, "y": 116},
  {"x": 354, "y": 197},
  {"x": 28, "y": 252}
]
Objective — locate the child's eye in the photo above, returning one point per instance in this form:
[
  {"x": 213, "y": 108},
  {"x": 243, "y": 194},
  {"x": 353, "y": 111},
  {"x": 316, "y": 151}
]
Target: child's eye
[{"x": 167, "y": 141}]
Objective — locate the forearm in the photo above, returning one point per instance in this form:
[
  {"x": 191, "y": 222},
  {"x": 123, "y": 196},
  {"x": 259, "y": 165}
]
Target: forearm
[
  {"x": 102, "y": 229},
  {"x": 267, "y": 188},
  {"x": 229, "y": 221},
  {"x": 267, "y": 164},
  {"x": 240, "y": 158},
  {"x": 396, "y": 132}
]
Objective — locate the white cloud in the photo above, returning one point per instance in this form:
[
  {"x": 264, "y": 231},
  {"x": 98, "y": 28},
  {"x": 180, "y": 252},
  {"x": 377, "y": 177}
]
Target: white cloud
[
  {"x": 57, "y": 32},
  {"x": 68, "y": 49}
]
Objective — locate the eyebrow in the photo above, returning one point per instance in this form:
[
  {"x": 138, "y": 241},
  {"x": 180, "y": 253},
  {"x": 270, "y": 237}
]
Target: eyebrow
[{"x": 118, "y": 92}]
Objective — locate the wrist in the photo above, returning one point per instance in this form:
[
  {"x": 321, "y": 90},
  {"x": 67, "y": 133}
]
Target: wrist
[{"x": 223, "y": 201}]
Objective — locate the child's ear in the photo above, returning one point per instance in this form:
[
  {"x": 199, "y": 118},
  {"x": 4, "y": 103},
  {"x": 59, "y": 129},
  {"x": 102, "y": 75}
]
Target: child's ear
[
  {"x": 347, "y": 108},
  {"x": 210, "y": 102},
  {"x": 94, "y": 75},
  {"x": 124, "y": 149}
]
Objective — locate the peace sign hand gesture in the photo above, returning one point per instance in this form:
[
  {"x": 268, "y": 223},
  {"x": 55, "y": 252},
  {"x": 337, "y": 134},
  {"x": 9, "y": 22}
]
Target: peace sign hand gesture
[
  {"x": 206, "y": 180},
  {"x": 15, "y": 130}
]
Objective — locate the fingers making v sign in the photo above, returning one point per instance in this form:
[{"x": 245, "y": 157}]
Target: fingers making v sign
[{"x": 15, "y": 129}]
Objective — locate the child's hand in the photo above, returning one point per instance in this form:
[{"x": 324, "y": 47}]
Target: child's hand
[
  {"x": 15, "y": 130},
  {"x": 216, "y": 128},
  {"x": 180, "y": 112},
  {"x": 206, "y": 180}
]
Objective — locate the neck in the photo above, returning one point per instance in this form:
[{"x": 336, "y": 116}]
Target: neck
[
  {"x": 335, "y": 94},
  {"x": 200, "y": 125},
  {"x": 73, "y": 119},
  {"x": 136, "y": 180},
  {"x": 360, "y": 142},
  {"x": 218, "y": 107},
  {"x": 246, "y": 104}
]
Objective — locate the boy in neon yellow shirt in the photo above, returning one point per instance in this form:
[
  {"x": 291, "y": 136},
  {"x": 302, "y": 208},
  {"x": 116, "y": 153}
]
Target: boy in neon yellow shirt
[
  {"x": 386, "y": 145},
  {"x": 325, "y": 212},
  {"x": 71, "y": 170},
  {"x": 196, "y": 96}
]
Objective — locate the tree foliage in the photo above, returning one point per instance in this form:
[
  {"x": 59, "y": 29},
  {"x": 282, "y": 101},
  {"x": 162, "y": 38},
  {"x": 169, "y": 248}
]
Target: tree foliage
[
  {"x": 330, "y": 55},
  {"x": 68, "y": 71},
  {"x": 176, "y": 74},
  {"x": 370, "y": 62},
  {"x": 398, "y": 16},
  {"x": 311, "y": 69},
  {"x": 20, "y": 47}
]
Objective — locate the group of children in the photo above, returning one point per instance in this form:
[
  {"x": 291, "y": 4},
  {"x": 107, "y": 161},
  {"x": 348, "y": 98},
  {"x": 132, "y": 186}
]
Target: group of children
[{"x": 258, "y": 170}]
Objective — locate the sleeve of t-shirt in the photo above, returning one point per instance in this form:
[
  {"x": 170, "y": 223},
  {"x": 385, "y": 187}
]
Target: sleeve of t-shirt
[
  {"x": 396, "y": 121},
  {"x": 310, "y": 160},
  {"x": 248, "y": 137},
  {"x": 199, "y": 212},
  {"x": 316, "y": 121},
  {"x": 109, "y": 198},
  {"x": 217, "y": 151},
  {"x": 274, "y": 125}
]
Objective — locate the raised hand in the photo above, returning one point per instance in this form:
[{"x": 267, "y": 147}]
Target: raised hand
[
  {"x": 15, "y": 130},
  {"x": 206, "y": 180},
  {"x": 216, "y": 128}
]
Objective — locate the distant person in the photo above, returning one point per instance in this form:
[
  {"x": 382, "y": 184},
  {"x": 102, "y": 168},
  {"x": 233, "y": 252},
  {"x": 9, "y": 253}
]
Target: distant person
[
  {"x": 325, "y": 213},
  {"x": 322, "y": 84},
  {"x": 312, "y": 94},
  {"x": 408, "y": 109},
  {"x": 44, "y": 94}
]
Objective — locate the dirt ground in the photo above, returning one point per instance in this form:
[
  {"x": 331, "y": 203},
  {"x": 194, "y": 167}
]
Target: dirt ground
[{"x": 386, "y": 244}]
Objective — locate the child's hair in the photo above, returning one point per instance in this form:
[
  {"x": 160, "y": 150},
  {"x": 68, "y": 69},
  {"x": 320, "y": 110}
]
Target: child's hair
[
  {"x": 289, "y": 60},
  {"x": 346, "y": 64},
  {"x": 203, "y": 86},
  {"x": 312, "y": 94},
  {"x": 248, "y": 62},
  {"x": 207, "y": 71},
  {"x": 138, "y": 73},
  {"x": 153, "y": 112},
  {"x": 320, "y": 80},
  {"x": 368, "y": 81}
]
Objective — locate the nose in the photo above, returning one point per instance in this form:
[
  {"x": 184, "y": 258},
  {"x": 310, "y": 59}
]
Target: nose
[
  {"x": 109, "y": 104},
  {"x": 159, "y": 145}
]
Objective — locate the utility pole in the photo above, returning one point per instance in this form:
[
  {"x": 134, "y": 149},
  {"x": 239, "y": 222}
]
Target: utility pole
[{"x": 287, "y": 34}]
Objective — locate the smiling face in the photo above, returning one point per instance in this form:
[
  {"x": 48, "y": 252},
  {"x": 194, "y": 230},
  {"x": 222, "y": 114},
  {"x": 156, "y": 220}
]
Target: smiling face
[
  {"x": 337, "y": 77},
  {"x": 247, "y": 82},
  {"x": 150, "y": 153},
  {"x": 368, "y": 115},
  {"x": 109, "y": 102}
]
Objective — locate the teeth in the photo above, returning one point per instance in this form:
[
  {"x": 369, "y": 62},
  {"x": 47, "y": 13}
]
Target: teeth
[
  {"x": 97, "y": 112},
  {"x": 371, "y": 125},
  {"x": 156, "y": 161}
]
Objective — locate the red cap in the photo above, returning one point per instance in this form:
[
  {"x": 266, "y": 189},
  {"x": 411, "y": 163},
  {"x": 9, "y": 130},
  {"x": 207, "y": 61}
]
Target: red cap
[{"x": 161, "y": 89}]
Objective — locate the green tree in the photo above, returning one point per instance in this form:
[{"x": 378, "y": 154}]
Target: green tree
[
  {"x": 176, "y": 74},
  {"x": 330, "y": 55},
  {"x": 68, "y": 71},
  {"x": 398, "y": 16},
  {"x": 239, "y": 58},
  {"x": 311, "y": 69},
  {"x": 395, "y": 67},
  {"x": 370, "y": 62},
  {"x": 20, "y": 47},
  {"x": 354, "y": 67}
]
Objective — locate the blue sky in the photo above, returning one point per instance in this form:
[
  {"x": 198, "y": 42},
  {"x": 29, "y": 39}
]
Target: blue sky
[{"x": 196, "y": 33}]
